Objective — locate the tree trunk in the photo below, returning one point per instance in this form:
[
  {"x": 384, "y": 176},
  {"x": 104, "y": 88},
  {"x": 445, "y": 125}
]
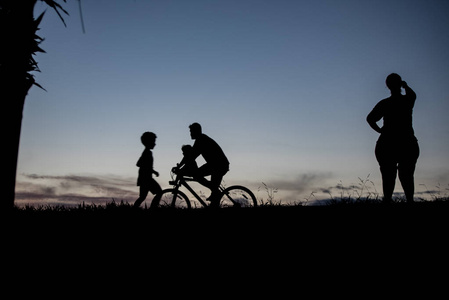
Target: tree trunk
[
  {"x": 13, "y": 108},
  {"x": 17, "y": 34}
]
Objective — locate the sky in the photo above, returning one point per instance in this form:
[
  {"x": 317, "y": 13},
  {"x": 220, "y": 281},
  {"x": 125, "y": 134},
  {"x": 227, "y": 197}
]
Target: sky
[{"x": 283, "y": 86}]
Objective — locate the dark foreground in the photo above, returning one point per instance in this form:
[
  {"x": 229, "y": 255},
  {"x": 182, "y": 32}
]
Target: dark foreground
[
  {"x": 284, "y": 231},
  {"x": 264, "y": 220},
  {"x": 379, "y": 246}
]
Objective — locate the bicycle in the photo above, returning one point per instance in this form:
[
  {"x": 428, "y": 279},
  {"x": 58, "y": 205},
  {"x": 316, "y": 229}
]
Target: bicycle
[{"x": 232, "y": 196}]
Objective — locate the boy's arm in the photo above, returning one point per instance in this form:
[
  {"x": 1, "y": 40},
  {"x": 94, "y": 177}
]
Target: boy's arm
[
  {"x": 184, "y": 161},
  {"x": 181, "y": 163}
]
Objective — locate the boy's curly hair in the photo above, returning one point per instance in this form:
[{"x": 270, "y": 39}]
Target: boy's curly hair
[
  {"x": 148, "y": 136},
  {"x": 186, "y": 148}
]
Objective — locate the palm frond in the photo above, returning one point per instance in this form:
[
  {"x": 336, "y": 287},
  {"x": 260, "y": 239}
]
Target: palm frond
[{"x": 56, "y": 6}]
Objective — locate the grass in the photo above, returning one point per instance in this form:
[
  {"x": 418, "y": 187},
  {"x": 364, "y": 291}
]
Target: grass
[
  {"x": 363, "y": 196},
  {"x": 344, "y": 227},
  {"x": 349, "y": 230},
  {"x": 348, "y": 225},
  {"x": 122, "y": 207}
]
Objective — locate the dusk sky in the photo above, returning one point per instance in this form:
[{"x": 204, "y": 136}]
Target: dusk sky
[{"x": 283, "y": 86}]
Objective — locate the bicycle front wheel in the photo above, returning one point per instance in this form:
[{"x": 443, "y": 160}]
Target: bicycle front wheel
[
  {"x": 174, "y": 199},
  {"x": 238, "y": 196}
]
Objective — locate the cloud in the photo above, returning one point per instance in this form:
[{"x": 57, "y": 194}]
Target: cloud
[
  {"x": 310, "y": 188},
  {"x": 35, "y": 189}
]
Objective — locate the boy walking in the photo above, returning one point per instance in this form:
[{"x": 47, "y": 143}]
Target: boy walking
[{"x": 145, "y": 179}]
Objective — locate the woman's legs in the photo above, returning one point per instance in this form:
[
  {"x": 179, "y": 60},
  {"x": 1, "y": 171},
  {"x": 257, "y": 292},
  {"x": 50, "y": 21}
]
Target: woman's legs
[
  {"x": 388, "y": 181},
  {"x": 406, "y": 169},
  {"x": 388, "y": 169}
]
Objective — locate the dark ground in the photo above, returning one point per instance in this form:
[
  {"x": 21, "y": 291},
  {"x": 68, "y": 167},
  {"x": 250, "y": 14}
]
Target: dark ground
[
  {"x": 269, "y": 221},
  {"x": 359, "y": 250}
]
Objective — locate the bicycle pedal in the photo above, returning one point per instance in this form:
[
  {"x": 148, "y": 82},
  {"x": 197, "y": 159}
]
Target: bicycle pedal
[{"x": 172, "y": 182}]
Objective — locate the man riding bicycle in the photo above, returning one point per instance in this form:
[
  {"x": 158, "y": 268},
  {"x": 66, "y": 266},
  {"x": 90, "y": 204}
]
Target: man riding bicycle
[{"x": 217, "y": 164}]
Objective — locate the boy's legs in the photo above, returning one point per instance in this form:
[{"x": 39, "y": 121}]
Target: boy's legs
[
  {"x": 143, "y": 193},
  {"x": 156, "y": 190}
]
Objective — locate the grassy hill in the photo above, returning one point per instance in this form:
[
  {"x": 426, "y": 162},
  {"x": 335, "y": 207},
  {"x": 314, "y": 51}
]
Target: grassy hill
[
  {"x": 340, "y": 241},
  {"x": 349, "y": 214}
]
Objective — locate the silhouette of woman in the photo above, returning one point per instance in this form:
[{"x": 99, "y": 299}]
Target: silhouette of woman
[{"x": 397, "y": 148}]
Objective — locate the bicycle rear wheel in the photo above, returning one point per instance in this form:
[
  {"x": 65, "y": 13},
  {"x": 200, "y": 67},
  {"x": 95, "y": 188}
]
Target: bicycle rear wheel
[
  {"x": 174, "y": 199},
  {"x": 238, "y": 196}
]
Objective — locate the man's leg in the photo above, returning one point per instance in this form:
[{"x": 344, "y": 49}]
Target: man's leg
[
  {"x": 200, "y": 173},
  {"x": 215, "y": 182},
  {"x": 203, "y": 181}
]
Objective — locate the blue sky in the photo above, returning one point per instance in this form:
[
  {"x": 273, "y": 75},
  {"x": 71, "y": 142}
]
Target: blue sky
[{"x": 283, "y": 86}]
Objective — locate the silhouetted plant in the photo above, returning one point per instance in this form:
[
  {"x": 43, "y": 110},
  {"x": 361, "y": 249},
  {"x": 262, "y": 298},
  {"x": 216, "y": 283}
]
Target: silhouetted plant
[
  {"x": 270, "y": 195},
  {"x": 436, "y": 195},
  {"x": 20, "y": 43}
]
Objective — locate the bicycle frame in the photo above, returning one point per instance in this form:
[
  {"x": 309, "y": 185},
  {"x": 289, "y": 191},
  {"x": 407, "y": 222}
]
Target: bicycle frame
[
  {"x": 183, "y": 181},
  {"x": 237, "y": 194}
]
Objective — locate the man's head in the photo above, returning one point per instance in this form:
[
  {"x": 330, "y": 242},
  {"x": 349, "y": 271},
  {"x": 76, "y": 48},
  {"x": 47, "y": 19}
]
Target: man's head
[
  {"x": 394, "y": 83},
  {"x": 195, "y": 130}
]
